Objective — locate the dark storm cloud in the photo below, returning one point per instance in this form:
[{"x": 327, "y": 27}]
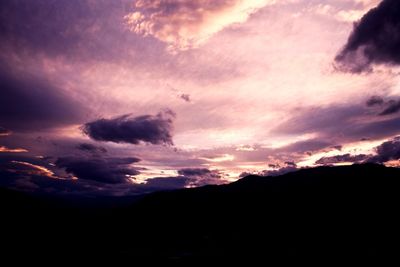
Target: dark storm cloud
[
  {"x": 374, "y": 101},
  {"x": 86, "y": 147},
  {"x": 30, "y": 103},
  {"x": 106, "y": 170},
  {"x": 392, "y": 106},
  {"x": 342, "y": 158},
  {"x": 375, "y": 39},
  {"x": 389, "y": 150},
  {"x": 133, "y": 130}
]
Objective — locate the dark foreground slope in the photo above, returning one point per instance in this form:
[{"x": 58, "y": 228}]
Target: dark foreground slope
[{"x": 323, "y": 215}]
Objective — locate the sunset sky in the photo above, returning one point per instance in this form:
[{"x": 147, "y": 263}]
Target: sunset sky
[{"x": 124, "y": 97}]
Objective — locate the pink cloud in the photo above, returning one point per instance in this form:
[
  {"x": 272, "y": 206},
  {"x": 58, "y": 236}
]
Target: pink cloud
[
  {"x": 187, "y": 24},
  {"x": 4, "y": 149}
]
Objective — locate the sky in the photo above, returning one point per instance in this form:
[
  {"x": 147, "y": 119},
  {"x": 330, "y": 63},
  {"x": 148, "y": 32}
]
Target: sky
[{"x": 127, "y": 97}]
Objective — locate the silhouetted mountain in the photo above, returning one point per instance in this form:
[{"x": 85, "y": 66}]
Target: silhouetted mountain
[{"x": 322, "y": 215}]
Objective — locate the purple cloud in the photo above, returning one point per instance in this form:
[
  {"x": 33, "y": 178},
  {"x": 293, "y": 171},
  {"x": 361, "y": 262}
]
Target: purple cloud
[
  {"x": 185, "y": 97},
  {"x": 392, "y": 106},
  {"x": 168, "y": 183},
  {"x": 133, "y": 130},
  {"x": 30, "y": 103},
  {"x": 356, "y": 122},
  {"x": 106, "y": 170},
  {"x": 86, "y": 147},
  {"x": 389, "y": 150},
  {"x": 169, "y": 21},
  {"x": 374, "y": 101},
  {"x": 342, "y": 158},
  {"x": 4, "y": 131},
  {"x": 201, "y": 176},
  {"x": 375, "y": 39}
]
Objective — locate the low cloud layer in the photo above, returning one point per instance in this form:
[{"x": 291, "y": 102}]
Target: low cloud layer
[
  {"x": 187, "y": 24},
  {"x": 342, "y": 158},
  {"x": 275, "y": 169},
  {"x": 93, "y": 176},
  {"x": 375, "y": 39},
  {"x": 202, "y": 176},
  {"x": 106, "y": 170},
  {"x": 278, "y": 169},
  {"x": 385, "y": 152},
  {"x": 4, "y": 131},
  {"x": 4, "y": 149},
  {"x": 188, "y": 177},
  {"x": 34, "y": 175},
  {"x": 133, "y": 130},
  {"x": 389, "y": 150},
  {"x": 168, "y": 183}
]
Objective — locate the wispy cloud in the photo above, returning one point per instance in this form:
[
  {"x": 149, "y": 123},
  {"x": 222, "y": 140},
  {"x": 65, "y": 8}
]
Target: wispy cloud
[
  {"x": 4, "y": 131},
  {"x": 187, "y": 24},
  {"x": 12, "y": 150}
]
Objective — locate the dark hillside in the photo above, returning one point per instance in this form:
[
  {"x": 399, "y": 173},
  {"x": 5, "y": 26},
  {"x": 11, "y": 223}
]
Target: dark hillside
[{"x": 326, "y": 214}]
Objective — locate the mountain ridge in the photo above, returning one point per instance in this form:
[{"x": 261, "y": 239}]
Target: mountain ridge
[{"x": 322, "y": 214}]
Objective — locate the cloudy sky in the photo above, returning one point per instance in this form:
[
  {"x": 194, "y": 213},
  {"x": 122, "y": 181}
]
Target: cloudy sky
[{"x": 125, "y": 97}]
